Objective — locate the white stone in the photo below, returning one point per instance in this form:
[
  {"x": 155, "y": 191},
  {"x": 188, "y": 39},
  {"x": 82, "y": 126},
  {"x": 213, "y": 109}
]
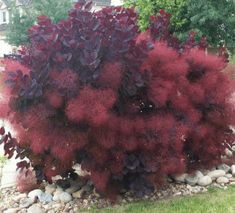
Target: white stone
[
  {"x": 180, "y": 178},
  {"x": 65, "y": 197},
  {"x": 35, "y": 193},
  {"x": 56, "y": 197},
  {"x": 45, "y": 198},
  {"x": 56, "y": 206},
  {"x": 79, "y": 171},
  {"x": 232, "y": 179},
  {"x": 35, "y": 209},
  {"x": 18, "y": 197},
  {"x": 58, "y": 190},
  {"x": 51, "y": 211},
  {"x": 204, "y": 181},
  {"x": 195, "y": 189},
  {"x": 222, "y": 180},
  {"x": 199, "y": 174},
  {"x": 205, "y": 171},
  {"x": 57, "y": 193},
  {"x": 26, "y": 202},
  {"x": 191, "y": 180},
  {"x": 55, "y": 178},
  {"x": 12, "y": 210},
  {"x": 50, "y": 189},
  {"x": 224, "y": 167},
  {"x": 216, "y": 173},
  {"x": 228, "y": 152},
  {"x": 233, "y": 170},
  {"x": 78, "y": 194},
  {"x": 177, "y": 194},
  {"x": 213, "y": 168},
  {"x": 228, "y": 176}
]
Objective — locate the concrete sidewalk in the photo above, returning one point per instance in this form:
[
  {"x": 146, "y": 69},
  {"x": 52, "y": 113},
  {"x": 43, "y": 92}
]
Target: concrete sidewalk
[
  {"x": 9, "y": 174},
  {"x": 9, "y": 169}
]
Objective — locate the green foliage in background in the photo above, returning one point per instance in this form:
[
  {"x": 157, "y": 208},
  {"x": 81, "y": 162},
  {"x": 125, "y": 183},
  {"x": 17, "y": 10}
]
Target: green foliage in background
[
  {"x": 23, "y": 17},
  {"x": 146, "y": 8},
  {"x": 213, "y": 18}
]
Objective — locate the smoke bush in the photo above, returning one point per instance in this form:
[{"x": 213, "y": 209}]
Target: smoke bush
[{"x": 130, "y": 107}]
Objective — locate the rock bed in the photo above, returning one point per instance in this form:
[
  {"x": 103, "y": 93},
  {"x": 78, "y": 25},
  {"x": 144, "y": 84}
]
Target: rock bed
[
  {"x": 81, "y": 194},
  {"x": 13, "y": 201}
]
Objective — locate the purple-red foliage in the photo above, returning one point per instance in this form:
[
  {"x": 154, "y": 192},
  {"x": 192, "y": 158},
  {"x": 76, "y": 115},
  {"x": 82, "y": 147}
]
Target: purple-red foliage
[{"x": 131, "y": 108}]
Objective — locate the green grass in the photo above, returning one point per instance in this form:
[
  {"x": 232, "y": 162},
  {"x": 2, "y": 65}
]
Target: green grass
[
  {"x": 214, "y": 201},
  {"x": 3, "y": 159},
  {"x": 232, "y": 60}
]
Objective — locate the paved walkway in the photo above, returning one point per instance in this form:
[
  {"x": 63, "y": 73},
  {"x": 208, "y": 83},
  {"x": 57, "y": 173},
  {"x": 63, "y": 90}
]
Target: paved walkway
[
  {"x": 9, "y": 174},
  {"x": 9, "y": 170}
]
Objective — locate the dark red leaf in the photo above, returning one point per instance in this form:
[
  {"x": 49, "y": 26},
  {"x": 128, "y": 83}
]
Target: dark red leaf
[{"x": 2, "y": 131}]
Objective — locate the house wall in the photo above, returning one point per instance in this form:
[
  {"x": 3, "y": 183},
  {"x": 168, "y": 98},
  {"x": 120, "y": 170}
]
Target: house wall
[{"x": 4, "y": 14}]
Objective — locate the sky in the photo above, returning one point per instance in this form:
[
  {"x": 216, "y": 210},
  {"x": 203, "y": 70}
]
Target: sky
[{"x": 116, "y": 2}]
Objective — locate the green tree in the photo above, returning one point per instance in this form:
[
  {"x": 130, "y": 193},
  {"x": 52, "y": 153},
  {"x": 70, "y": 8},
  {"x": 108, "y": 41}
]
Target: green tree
[
  {"x": 146, "y": 8},
  {"x": 213, "y": 18},
  {"x": 23, "y": 17}
]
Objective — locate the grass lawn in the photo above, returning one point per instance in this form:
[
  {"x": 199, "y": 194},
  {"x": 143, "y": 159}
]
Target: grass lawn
[
  {"x": 3, "y": 159},
  {"x": 232, "y": 60},
  {"x": 214, "y": 201}
]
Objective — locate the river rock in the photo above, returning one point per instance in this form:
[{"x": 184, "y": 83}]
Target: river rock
[
  {"x": 58, "y": 190},
  {"x": 222, "y": 180},
  {"x": 228, "y": 152},
  {"x": 78, "y": 194},
  {"x": 56, "y": 206},
  {"x": 35, "y": 193},
  {"x": 191, "y": 179},
  {"x": 51, "y": 211},
  {"x": 233, "y": 170},
  {"x": 45, "y": 198},
  {"x": 35, "y": 209},
  {"x": 228, "y": 176},
  {"x": 224, "y": 167},
  {"x": 180, "y": 178},
  {"x": 56, "y": 196},
  {"x": 65, "y": 197},
  {"x": 26, "y": 202},
  {"x": 11, "y": 210},
  {"x": 204, "y": 181},
  {"x": 19, "y": 197},
  {"x": 216, "y": 173},
  {"x": 199, "y": 174},
  {"x": 50, "y": 189},
  {"x": 79, "y": 171}
]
